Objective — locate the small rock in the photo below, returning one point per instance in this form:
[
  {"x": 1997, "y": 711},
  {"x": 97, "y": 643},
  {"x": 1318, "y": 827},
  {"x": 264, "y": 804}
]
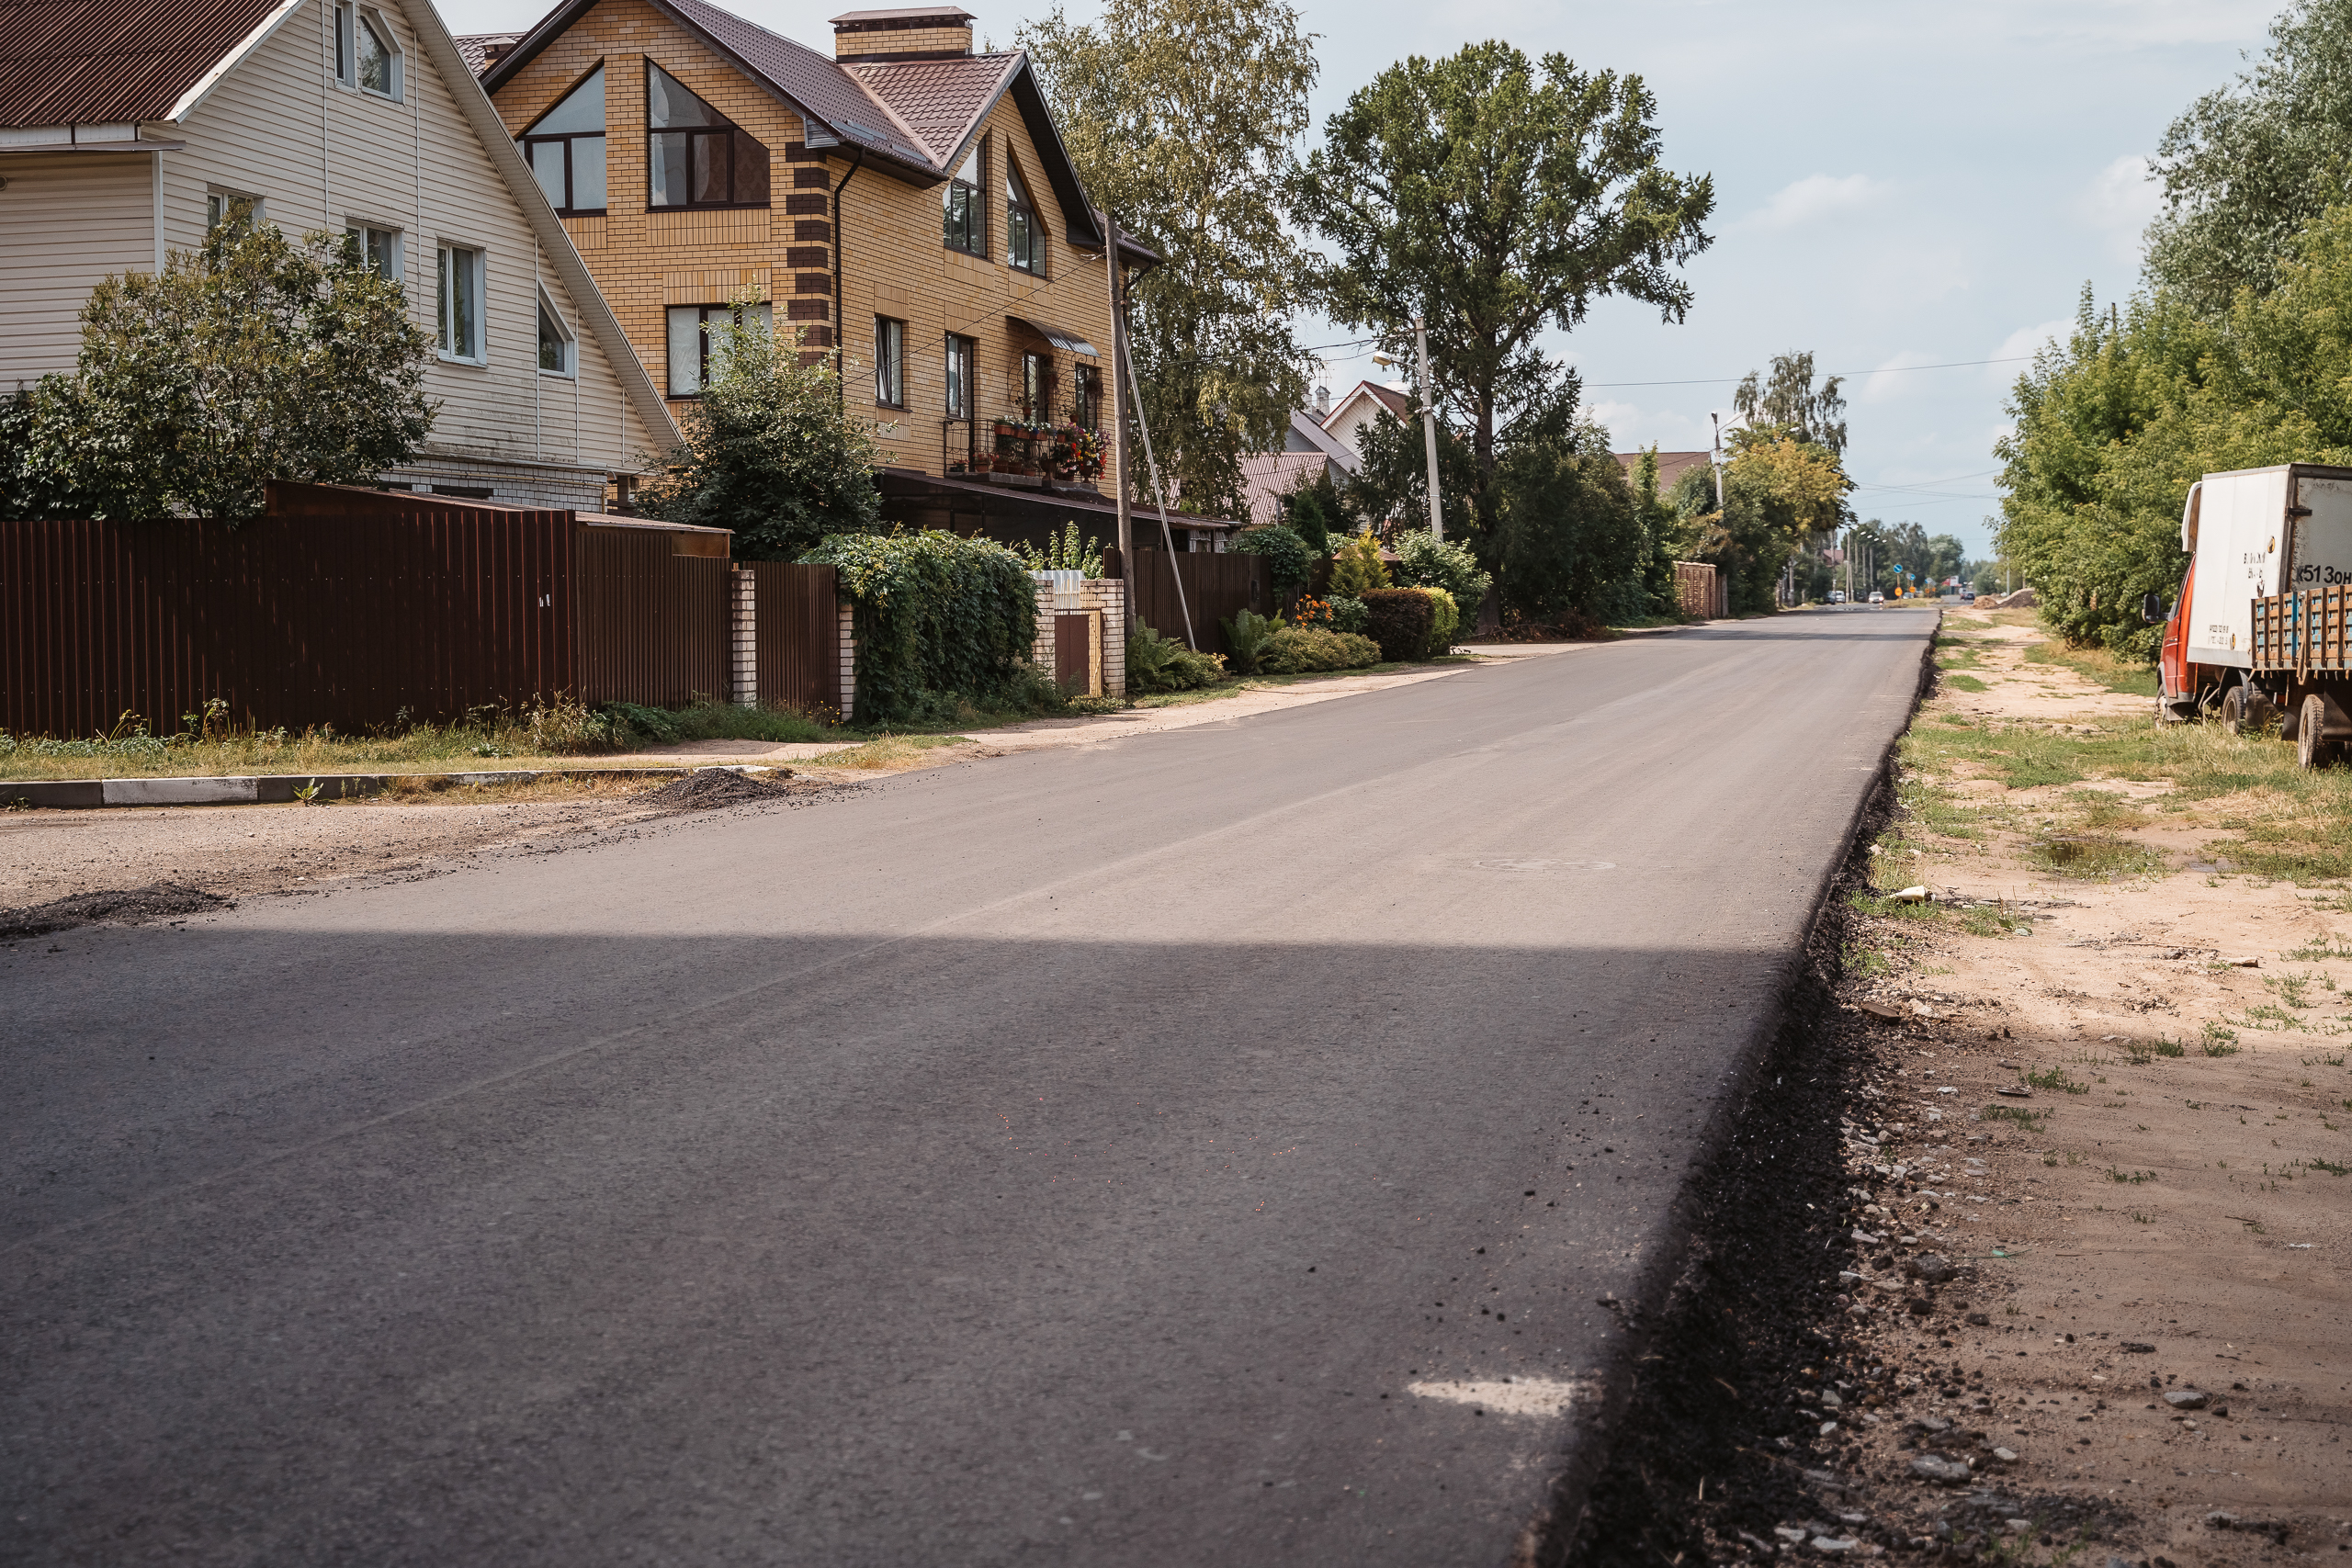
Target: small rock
[
  {"x": 1943, "y": 1471},
  {"x": 1788, "y": 1533},
  {"x": 1932, "y": 1423},
  {"x": 1866, "y": 1238},
  {"x": 2219, "y": 1520},
  {"x": 2018, "y": 1523},
  {"x": 1830, "y": 1401},
  {"x": 1828, "y": 1428},
  {"x": 2006, "y": 1456},
  {"x": 2186, "y": 1398},
  {"x": 2134, "y": 1347},
  {"x": 1930, "y": 1267},
  {"x": 1833, "y": 1546},
  {"x": 2246, "y": 962},
  {"x": 1924, "y": 1011},
  {"x": 2015, "y": 1091},
  {"x": 1980, "y": 1320},
  {"x": 2006, "y": 1067}
]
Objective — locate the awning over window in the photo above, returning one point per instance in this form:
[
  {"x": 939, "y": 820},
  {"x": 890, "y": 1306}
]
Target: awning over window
[{"x": 1060, "y": 337}]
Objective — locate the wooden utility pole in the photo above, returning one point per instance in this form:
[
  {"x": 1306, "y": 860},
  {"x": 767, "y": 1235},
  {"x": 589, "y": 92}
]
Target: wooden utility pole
[{"x": 1428, "y": 423}]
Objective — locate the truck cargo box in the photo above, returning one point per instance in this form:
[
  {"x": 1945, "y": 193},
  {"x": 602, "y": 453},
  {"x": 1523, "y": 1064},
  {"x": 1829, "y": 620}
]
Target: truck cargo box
[{"x": 2256, "y": 533}]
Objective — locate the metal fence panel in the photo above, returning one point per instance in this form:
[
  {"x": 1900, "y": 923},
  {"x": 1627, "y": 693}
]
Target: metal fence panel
[
  {"x": 797, "y": 642},
  {"x": 652, "y": 624},
  {"x": 1217, "y": 587}
]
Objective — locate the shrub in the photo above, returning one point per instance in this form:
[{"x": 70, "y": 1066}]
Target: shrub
[
  {"x": 1297, "y": 650},
  {"x": 1156, "y": 664},
  {"x": 1399, "y": 619},
  {"x": 1357, "y": 569},
  {"x": 1248, "y": 635},
  {"x": 1345, "y": 614},
  {"x": 1064, "y": 553},
  {"x": 1287, "y": 554},
  {"x": 1423, "y": 561},
  {"x": 1309, "y": 512},
  {"x": 938, "y": 619},
  {"x": 1445, "y": 618}
]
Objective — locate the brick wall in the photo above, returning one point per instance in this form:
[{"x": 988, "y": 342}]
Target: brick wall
[
  {"x": 744, "y": 640},
  {"x": 1102, "y": 596}
]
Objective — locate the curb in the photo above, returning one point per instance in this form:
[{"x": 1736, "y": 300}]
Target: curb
[{"x": 277, "y": 789}]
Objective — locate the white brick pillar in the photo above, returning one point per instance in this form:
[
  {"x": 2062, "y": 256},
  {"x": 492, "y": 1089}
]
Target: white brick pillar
[
  {"x": 848, "y": 637},
  {"x": 1113, "y": 595},
  {"x": 743, "y": 632}
]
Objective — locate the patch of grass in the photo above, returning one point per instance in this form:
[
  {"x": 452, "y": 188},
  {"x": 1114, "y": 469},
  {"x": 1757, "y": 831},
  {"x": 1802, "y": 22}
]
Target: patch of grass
[
  {"x": 2169, "y": 1048},
  {"x": 2027, "y": 1121},
  {"x": 2220, "y": 1042},
  {"x": 1965, "y": 683},
  {"x": 2093, "y": 857},
  {"x": 2270, "y": 1016},
  {"x": 2133, "y": 1176},
  {"x": 2105, "y": 808},
  {"x": 2330, "y": 1166},
  {"x": 1866, "y": 963},
  {"x": 886, "y": 753},
  {"x": 2326, "y": 947},
  {"x": 2098, "y": 666},
  {"x": 2057, "y": 1078}
]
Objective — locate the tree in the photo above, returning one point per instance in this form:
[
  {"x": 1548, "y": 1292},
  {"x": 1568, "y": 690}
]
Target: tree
[
  {"x": 1569, "y": 540},
  {"x": 1392, "y": 485},
  {"x": 1180, "y": 116},
  {"x": 2249, "y": 165},
  {"x": 768, "y": 451},
  {"x": 1498, "y": 198},
  {"x": 252, "y": 358},
  {"x": 1788, "y": 401}
]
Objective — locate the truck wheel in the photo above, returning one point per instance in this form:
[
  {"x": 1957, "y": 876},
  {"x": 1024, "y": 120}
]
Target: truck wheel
[
  {"x": 2310, "y": 750},
  {"x": 2234, "y": 710}
]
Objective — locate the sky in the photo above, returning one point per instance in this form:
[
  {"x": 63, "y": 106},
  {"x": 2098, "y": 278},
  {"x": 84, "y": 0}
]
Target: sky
[{"x": 1897, "y": 185}]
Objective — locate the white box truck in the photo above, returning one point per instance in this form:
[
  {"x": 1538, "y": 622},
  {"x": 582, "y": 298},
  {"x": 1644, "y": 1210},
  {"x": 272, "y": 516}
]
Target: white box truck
[{"x": 2257, "y": 633}]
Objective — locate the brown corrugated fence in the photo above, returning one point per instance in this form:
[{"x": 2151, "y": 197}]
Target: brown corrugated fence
[
  {"x": 1217, "y": 587},
  {"x": 797, "y": 636}
]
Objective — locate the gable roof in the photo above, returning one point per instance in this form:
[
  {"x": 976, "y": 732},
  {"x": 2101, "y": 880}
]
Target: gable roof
[
  {"x": 98, "y": 62},
  {"x": 1389, "y": 397},
  {"x": 913, "y": 118},
  {"x": 1671, "y": 466},
  {"x": 481, "y": 50},
  {"x": 1309, "y": 435}
]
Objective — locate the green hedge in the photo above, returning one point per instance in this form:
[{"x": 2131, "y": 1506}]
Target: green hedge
[
  {"x": 940, "y": 620},
  {"x": 1399, "y": 619},
  {"x": 1297, "y": 650}
]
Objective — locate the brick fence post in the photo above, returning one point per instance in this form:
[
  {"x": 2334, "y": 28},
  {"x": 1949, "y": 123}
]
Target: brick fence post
[
  {"x": 743, "y": 631},
  {"x": 848, "y": 639}
]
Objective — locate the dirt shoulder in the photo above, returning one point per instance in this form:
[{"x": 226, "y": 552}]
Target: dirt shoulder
[{"x": 2087, "y": 1138}]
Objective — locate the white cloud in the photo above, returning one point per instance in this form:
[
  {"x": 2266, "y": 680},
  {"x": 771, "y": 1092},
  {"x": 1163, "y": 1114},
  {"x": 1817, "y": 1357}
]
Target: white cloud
[
  {"x": 2023, "y": 345},
  {"x": 2119, "y": 201},
  {"x": 1817, "y": 197},
  {"x": 1630, "y": 426},
  {"x": 1885, "y": 382}
]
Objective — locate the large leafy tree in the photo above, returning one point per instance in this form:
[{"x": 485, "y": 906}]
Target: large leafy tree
[
  {"x": 2250, "y": 164},
  {"x": 1496, "y": 197},
  {"x": 256, "y": 357},
  {"x": 1786, "y": 398},
  {"x": 768, "y": 451},
  {"x": 1180, "y": 116}
]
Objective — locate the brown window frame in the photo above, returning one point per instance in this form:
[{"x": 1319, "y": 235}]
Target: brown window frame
[
  {"x": 975, "y": 205},
  {"x": 727, "y": 132},
  {"x": 1021, "y": 215},
  {"x": 963, "y": 359},
  {"x": 894, "y": 364},
  {"x": 1036, "y": 387},
  {"x": 530, "y": 138},
  {"x": 1086, "y": 396}
]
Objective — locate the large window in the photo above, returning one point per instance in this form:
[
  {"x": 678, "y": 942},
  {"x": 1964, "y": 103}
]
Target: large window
[
  {"x": 698, "y": 157},
  {"x": 967, "y": 208},
  {"x": 1024, "y": 236},
  {"x": 566, "y": 148},
  {"x": 889, "y": 362},
  {"x": 365, "y": 55},
  {"x": 698, "y": 341},
  {"x": 960, "y": 352},
  {"x": 1088, "y": 385},
  {"x": 460, "y": 304},
  {"x": 1037, "y": 388}
]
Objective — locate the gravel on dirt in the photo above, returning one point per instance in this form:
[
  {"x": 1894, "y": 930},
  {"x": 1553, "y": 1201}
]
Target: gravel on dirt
[{"x": 127, "y": 907}]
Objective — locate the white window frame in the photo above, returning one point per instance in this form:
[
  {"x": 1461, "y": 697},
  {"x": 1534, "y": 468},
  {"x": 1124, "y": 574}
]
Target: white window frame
[
  {"x": 360, "y": 229},
  {"x": 349, "y": 13},
  {"x": 449, "y": 253},
  {"x": 684, "y": 321},
  {"x": 215, "y": 205},
  {"x": 571, "y": 367}
]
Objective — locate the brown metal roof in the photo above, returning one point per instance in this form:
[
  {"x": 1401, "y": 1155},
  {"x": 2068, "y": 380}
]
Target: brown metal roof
[
  {"x": 481, "y": 50},
  {"x": 951, "y": 15},
  {"x": 91, "y": 61},
  {"x": 939, "y": 99},
  {"x": 813, "y": 81}
]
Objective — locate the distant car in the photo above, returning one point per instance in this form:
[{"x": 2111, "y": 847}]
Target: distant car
[
  {"x": 1877, "y": 598},
  {"x": 1968, "y": 596},
  {"x": 1836, "y": 596}
]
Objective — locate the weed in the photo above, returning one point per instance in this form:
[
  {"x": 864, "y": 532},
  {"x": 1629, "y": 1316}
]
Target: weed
[
  {"x": 2027, "y": 1121},
  {"x": 2133, "y": 1176},
  {"x": 2056, "y": 1078},
  {"x": 2093, "y": 857},
  {"x": 2269, "y": 1015},
  {"x": 2330, "y": 1166},
  {"x": 2104, "y": 808},
  {"x": 2324, "y": 1061},
  {"x": 2220, "y": 1042},
  {"x": 2098, "y": 666},
  {"x": 2138, "y": 1218},
  {"x": 2326, "y": 947},
  {"x": 2292, "y": 989},
  {"x": 2169, "y": 1048},
  {"x": 1866, "y": 963},
  {"x": 1958, "y": 682}
]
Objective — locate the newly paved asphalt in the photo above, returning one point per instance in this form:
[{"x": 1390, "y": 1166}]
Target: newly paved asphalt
[{"x": 1060, "y": 1158}]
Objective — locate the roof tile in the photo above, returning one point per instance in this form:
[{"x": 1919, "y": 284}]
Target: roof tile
[
  {"x": 91, "y": 61},
  {"x": 939, "y": 99},
  {"x": 828, "y": 91}
]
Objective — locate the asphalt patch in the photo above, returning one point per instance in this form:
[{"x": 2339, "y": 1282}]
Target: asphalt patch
[
  {"x": 124, "y": 906},
  {"x": 712, "y": 787}
]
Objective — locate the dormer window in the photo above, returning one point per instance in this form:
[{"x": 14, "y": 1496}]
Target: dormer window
[
  {"x": 365, "y": 55},
  {"x": 967, "y": 208},
  {"x": 697, "y": 157},
  {"x": 1024, "y": 236},
  {"x": 565, "y": 148}
]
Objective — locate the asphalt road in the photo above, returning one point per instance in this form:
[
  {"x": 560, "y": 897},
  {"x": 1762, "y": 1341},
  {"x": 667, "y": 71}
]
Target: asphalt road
[{"x": 1156, "y": 1153}]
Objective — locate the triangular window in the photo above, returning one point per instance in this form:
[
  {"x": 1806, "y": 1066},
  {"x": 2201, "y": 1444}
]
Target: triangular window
[
  {"x": 1024, "y": 235},
  {"x": 696, "y": 156},
  {"x": 566, "y": 148}
]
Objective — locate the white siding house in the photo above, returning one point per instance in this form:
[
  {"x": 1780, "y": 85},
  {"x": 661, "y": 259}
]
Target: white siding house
[{"x": 335, "y": 115}]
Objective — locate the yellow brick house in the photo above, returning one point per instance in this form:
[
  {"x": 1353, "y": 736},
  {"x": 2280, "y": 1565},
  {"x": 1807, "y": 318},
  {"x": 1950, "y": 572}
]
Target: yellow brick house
[{"x": 904, "y": 204}]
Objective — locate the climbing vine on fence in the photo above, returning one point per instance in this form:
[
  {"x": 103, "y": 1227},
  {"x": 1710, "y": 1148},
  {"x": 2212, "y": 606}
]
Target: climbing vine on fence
[{"x": 937, "y": 617}]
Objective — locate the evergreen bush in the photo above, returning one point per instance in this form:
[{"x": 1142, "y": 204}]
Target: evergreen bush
[
  {"x": 1345, "y": 613},
  {"x": 939, "y": 619},
  {"x": 1424, "y": 560},
  {"x": 1357, "y": 569},
  {"x": 1298, "y": 651},
  {"x": 1399, "y": 620},
  {"x": 1288, "y": 555}
]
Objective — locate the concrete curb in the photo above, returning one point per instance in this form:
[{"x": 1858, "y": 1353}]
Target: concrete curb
[{"x": 277, "y": 789}]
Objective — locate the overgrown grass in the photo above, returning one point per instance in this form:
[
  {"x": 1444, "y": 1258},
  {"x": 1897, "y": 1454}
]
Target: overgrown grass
[
  {"x": 2093, "y": 857},
  {"x": 1965, "y": 683},
  {"x": 2027, "y": 1121},
  {"x": 2056, "y": 1078},
  {"x": 2098, "y": 666},
  {"x": 886, "y": 753}
]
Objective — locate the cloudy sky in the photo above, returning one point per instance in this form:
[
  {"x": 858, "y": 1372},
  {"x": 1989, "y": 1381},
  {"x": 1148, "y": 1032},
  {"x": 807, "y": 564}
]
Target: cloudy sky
[{"x": 1898, "y": 185}]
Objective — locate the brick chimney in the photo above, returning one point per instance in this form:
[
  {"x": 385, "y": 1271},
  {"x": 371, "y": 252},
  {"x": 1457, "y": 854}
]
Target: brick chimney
[{"x": 913, "y": 32}]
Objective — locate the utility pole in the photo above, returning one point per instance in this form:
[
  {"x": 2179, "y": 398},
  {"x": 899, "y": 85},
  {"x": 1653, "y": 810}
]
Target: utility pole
[
  {"x": 1717, "y": 456},
  {"x": 1429, "y": 422},
  {"x": 1118, "y": 412}
]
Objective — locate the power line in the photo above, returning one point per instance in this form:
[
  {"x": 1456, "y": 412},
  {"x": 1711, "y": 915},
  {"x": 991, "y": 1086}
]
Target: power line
[{"x": 1734, "y": 381}]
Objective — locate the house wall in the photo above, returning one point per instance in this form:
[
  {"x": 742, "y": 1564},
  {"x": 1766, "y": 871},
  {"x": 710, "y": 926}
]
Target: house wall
[
  {"x": 67, "y": 221},
  {"x": 892, "y": 259}
]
